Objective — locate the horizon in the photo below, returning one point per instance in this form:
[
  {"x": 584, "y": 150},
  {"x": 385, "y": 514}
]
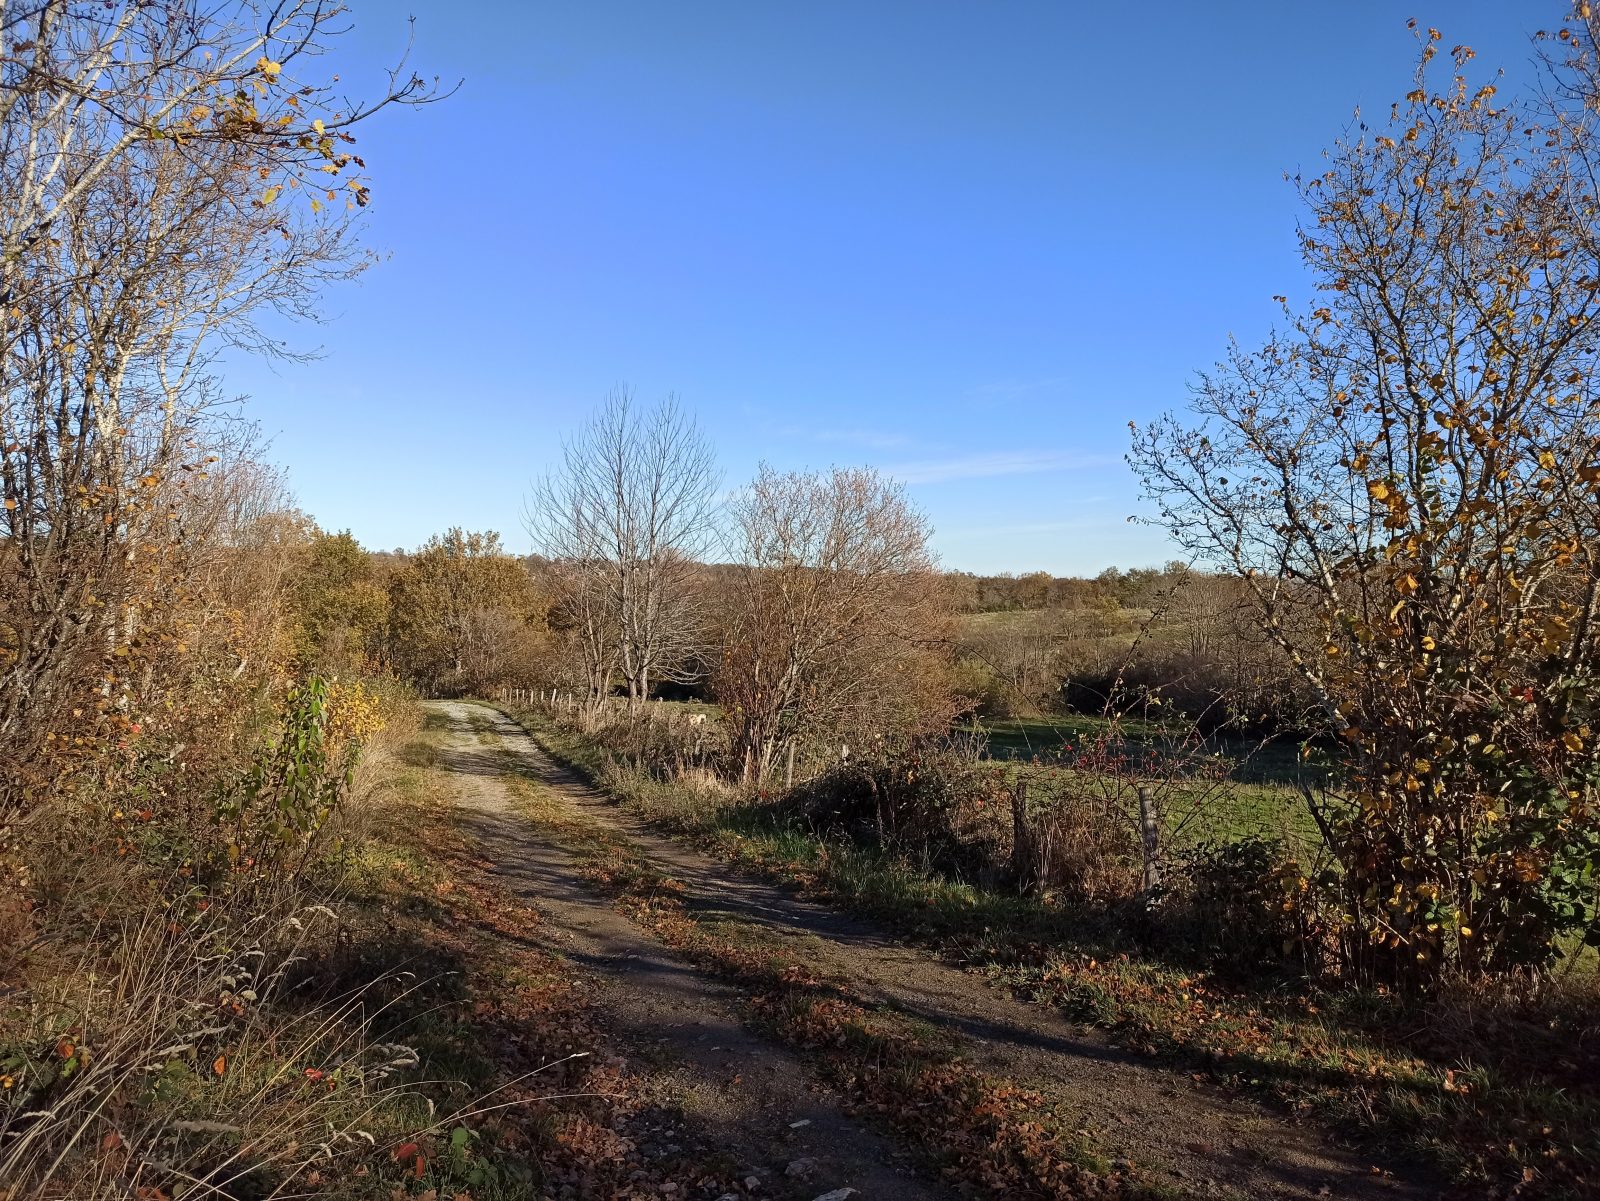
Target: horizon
[{"x": 964, "y": 247}]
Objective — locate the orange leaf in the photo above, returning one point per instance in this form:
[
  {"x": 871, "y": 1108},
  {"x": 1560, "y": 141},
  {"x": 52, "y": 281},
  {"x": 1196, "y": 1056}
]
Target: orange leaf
[{"x": 219, "y": 1064}]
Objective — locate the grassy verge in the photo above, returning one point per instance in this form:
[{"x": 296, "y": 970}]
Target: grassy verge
[
  {"x": 1493, "y": 1092},
  {"x": 975, "y": 1130},
  {"x": 163, "y": 1029}
]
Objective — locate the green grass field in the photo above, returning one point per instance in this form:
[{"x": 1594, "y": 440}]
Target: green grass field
[
  {"x": 1046, "y": 736},
  {"x": 1259, "y": 796},
  {"x": 1025, "y": 737}
]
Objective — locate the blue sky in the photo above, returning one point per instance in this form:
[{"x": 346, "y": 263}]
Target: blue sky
[{"x": 963, "y": 242}]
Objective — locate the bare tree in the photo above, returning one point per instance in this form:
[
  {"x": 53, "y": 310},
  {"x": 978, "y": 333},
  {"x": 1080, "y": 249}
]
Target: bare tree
[
  {"x": 836, "y": 601},
  {"x": 626, "y": 517},
  {"x": 168, "y": 173},
  {"x": 559, "y": 519}
]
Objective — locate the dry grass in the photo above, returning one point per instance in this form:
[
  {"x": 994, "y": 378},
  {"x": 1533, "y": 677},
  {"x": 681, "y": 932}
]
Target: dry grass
[
  {"x": 164, "y": 1058},
  {"x": 158, "y": 1035}
]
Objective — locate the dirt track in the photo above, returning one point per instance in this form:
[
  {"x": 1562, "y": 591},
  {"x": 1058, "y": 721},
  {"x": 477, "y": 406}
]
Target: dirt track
[{"x": 751, "y": 1094}]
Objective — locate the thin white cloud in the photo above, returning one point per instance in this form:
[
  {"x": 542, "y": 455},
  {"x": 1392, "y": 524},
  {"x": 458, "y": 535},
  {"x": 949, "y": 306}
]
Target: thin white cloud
[
  {"x": 994, "y": 463},
  {"x": 871, "y": 439},
  {"x": 1034, "y": 527},
  {"x": 996, "y": 391}
]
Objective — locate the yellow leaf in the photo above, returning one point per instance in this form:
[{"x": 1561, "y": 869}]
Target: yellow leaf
[
  {"x": 1378, "y": 490},
  {"x": 1572, "y": 742},
  {"x": 268, "y": 68},
  {"x": 317, "y": 125},
  {"x": 271, "y": 194}
]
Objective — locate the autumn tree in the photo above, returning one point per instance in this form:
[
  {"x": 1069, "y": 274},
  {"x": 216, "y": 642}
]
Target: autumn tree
[
  {"x": 464, "y": 614},
  {"x": 840, "y": 627},
  {"x": 1020, "y": 655},
  {"x": 338, "y": 602},
  {"x": 213, "y": 645},
  {"x": 1406, "y": 479},
  {"x": 623, "y": 520},
  {"x": 169, "y": 173}
]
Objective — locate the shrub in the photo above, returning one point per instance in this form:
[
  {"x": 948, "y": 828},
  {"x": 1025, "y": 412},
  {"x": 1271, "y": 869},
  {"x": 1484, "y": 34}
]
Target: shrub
[
  {"x": 937, "y": 802},
  {"x": 1079, "y": 844},
  {"x": 1250, "y": 906},
  {"x": 272, "y": 815},
  {"x": 146, "y": 1032}
]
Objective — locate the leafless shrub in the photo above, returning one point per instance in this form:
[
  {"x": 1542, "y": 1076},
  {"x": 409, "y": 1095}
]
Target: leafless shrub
[{"x": 1076, "y": 842}]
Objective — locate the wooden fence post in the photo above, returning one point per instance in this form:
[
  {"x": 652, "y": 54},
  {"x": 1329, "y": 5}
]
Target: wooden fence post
[
  {"x": 788, "y": 771},
  {"x": 1150, "y": 833}
]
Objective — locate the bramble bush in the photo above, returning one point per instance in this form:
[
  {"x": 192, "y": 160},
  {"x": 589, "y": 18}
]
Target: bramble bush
[{"x": 1249, "y": 906}]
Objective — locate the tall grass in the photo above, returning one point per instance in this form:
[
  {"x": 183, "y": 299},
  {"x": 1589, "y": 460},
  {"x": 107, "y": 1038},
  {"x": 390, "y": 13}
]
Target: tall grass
[
  {"x": 161, "y": 1030},
  {"x": 168, "y": 1054}
]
